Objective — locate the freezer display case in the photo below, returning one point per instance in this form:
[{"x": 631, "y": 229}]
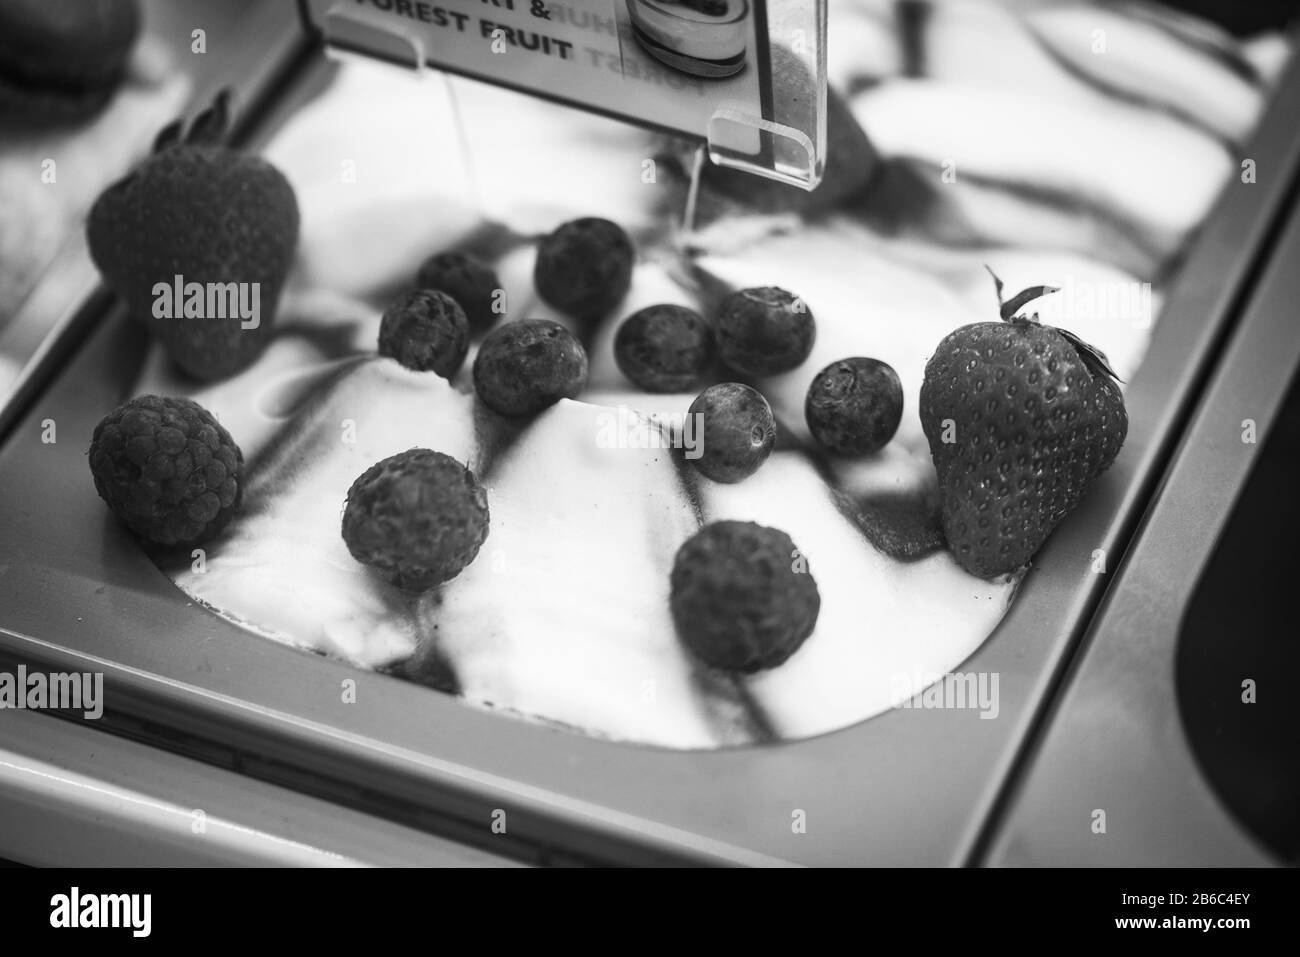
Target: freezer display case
[{"x": 1134, "y": 166}]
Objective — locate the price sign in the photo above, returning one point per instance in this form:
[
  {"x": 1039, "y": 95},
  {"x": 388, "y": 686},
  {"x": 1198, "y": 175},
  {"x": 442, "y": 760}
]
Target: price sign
[{"x": 746, "y": 77}]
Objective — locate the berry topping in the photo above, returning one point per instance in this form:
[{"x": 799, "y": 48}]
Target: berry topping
[
  {"x": 764, "y": 330},
  {"x": 664, "y": 348},
  {"x": 584, "y": 268},
  {"x": 742, "y": 596},
  {"x": 198, "y": 240},
  {"x": 524, "y": 367},
  {"x": 738, "y": 431},
  {"x": 418, "y": 518},
  {"x": 1021, "y": 417},
  {"x": 167, "y": 469},
  {"x": 854, "y": 406},
  {"x": 425, "y": 330},
  {"x": 468, "y": 280}
]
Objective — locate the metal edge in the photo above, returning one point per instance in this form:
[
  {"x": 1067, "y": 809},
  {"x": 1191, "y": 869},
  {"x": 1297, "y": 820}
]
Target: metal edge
[
  {"x": 72, "y": 797},
  {"x": 1159, "y": 575},
  {"x": 452, "y": 799},
  {"x": 1241, "y": 230}
]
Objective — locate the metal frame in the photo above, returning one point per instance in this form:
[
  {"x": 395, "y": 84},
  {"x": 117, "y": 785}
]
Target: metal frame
[
  {"x": 906, "y": 787},
  {"x": 70, "y": 796},
  {"x": 1116, "y": 740}
]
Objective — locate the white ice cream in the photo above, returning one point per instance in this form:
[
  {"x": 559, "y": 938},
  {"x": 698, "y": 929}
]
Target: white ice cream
[
  {"x": 864, "y": 305},
  {"x": 281, "y": 567},
  {"x": 564, "y": 614},
  {"x": 881, "y": 623}
]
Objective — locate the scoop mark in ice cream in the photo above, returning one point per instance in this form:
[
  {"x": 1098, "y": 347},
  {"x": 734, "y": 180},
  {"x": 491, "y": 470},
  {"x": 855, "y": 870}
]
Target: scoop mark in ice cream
[
  {"x": 625, "y": 428},
  {"x": 904, "y": 527}
]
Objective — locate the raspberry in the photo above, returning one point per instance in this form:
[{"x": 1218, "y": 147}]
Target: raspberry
[
  {"x": 854, "y": 406},
  {"x": 742, "y": 596},
  {"x": 526, "y": 366},
  {"x": 468, "y": 280},
  {"x": 738, "y": 432},
  {"x": 584, "y": 268},
  {"x": 418, "y": 518},
  {"x": 764, "y": 330},
  {"x": 167, "y": 469},
  {"x": 426, "y": 331},
  {"x": 664, "y": 348}
]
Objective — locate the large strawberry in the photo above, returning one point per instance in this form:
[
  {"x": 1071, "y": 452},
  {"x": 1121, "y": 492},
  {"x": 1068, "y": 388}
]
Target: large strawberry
[
  {"x": 213, "y": 216},
  {"x": 1020, "y": 417}
]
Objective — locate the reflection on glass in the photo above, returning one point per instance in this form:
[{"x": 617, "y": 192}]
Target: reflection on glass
[{"x": 705, "y": 38}]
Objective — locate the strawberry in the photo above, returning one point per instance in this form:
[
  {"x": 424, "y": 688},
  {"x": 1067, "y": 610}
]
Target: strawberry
[
  {"x": 1020, "y": 418},
  {"x": 213, "y": 216}
]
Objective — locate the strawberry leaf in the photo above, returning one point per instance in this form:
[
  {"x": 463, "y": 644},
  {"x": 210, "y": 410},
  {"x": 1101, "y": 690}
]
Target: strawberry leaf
[
  {"x": 1022, "y": 298},
  {"x": 1092, "y": 357},
  {"x": 1009, "y": 308},
  {"x": 997, "y": 283},
  {"x": 210, "y": 126},
  {"x": 169, "y": 134}
]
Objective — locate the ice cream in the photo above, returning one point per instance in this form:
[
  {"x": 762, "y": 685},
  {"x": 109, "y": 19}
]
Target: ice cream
[
  {"x": 283, "y": 568},
  {"x": 564, "y": 617}
]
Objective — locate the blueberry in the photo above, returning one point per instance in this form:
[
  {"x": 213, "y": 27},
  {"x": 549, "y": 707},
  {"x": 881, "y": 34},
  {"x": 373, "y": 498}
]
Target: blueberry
[
  {"x": 854, "y": 406},
  {"x": 764, "y": 330},
  {"x": 584, "y": 268},
  {"x": 468, "y": 280},
  {"x": 425, "y": 330},
  {"x": 742, "y": 596},
  {"x": 526, "y": 366},
  {"x": 738, "y": 431},
  {"x": 664, "y": 348}
]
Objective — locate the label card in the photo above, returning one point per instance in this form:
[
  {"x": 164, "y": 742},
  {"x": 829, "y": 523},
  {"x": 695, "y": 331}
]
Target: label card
[{"x": 747, "y": 77}]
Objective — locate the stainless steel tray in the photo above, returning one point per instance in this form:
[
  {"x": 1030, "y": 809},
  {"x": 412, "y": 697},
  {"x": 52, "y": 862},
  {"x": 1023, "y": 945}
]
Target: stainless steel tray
[
  {"x": 907, "y": 787},
  {"x": 1147, "y": 723}
]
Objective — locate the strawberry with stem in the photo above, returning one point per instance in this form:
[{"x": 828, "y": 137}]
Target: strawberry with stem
[
  {"x": 212, "y": 215},
  {"x": 1020, "y": 417}
]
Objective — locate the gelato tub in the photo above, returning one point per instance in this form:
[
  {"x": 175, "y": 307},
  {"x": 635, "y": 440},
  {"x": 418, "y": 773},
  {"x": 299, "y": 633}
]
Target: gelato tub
[{"x": 546, "y": 681}]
